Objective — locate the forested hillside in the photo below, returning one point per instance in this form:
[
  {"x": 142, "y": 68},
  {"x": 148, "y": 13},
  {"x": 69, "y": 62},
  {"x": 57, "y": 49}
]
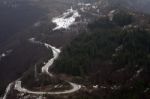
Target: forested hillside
[{"x": 114, "y": 54}]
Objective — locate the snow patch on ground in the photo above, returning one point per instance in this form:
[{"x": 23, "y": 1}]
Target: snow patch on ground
[
  {"x": 87, "y": 6},
  {"x": 94, "y": 6},
  {"x": 111, "y": 14},
  {"x": 66, "y": 20},
  {"x": 84, "y": 4},
  {"x": 4, "y": 54},
  {"x": 33, "y": 40},
  {"x": 137, "y": 73},
  {"x": 95, "y": 86}
]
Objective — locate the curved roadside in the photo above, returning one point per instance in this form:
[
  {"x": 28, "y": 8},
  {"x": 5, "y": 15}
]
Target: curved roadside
[
  {"x": 45, "y": 69},
  {"x": 19, "y": 88}
]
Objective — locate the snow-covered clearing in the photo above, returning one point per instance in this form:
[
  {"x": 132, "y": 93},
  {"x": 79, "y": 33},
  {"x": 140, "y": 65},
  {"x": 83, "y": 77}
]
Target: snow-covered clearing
[{"x": 66, "y": 19}]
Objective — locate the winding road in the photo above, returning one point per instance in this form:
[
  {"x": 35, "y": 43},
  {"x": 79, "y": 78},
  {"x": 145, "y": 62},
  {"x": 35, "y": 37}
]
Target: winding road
[
  {"x": 45, "y": 69},
  {"x": 61, "y": 22}
]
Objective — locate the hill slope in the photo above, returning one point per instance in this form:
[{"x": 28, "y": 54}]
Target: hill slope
[{"x": 114, "y": 55}]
